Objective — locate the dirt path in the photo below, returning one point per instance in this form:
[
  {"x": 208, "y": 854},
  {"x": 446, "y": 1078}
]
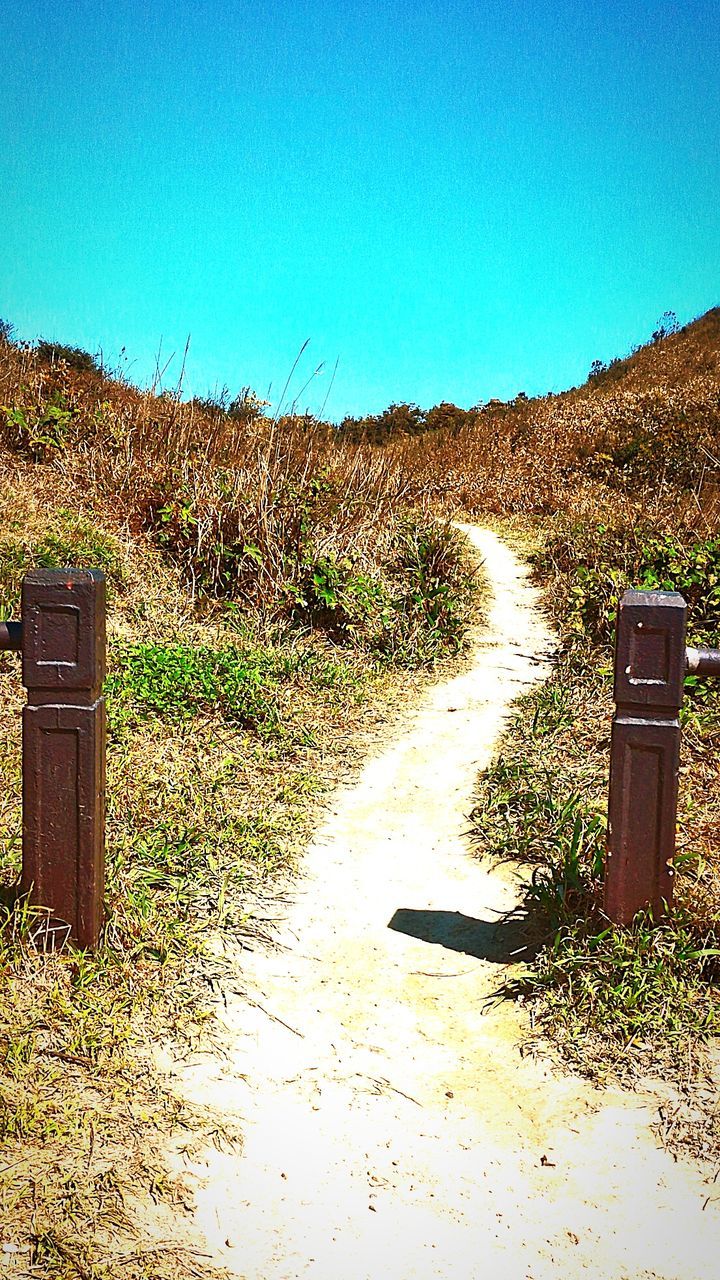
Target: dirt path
[{"x": 392, "y": 1128}]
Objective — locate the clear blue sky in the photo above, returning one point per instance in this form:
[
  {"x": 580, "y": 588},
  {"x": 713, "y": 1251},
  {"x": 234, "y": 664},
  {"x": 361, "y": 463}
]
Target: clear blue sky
[{"x": 458, "y": 200}]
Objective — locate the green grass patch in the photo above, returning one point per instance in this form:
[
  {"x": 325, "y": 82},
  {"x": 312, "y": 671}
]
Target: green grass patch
[
  {"x": 245, "y": 684},
  {"x": 70, "y": 540},
  {"x": 217, "y": 760},
  {"x": 176, "y": 682},
  {"x": 634, "y": 1000}
]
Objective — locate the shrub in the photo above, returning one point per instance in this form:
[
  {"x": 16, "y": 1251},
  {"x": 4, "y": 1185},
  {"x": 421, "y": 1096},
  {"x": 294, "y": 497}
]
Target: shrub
[
  {"x": 666, "y": 327},
  {"x": 432, "y": 593},
  {"x": 39, "y": 433},
  {"x": 73, "y": 357},
  {"x": 591, "y": 564}
]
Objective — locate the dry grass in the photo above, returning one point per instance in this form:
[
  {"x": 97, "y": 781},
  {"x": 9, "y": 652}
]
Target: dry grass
[
  {"x": 644, "y": 435},
  {"x": 203, "y": 817},
  {"x": 626, "y": 469},
  {"x": 228, "y": 726},
  {"x": 640, "y": 1003},
  {"x": 614, "y": 484},
  {"x": 296, "y": 568},
  {"x": 244, "y": 503},
  {"x": 202, "y": 820},
  {"x": 253, "y": 506}
]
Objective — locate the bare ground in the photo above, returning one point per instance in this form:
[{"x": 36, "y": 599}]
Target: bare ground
[{"x": 392, "y": 1127}]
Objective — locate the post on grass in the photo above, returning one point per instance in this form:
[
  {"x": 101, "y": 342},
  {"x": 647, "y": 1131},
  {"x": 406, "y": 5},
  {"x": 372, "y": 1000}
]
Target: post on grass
[
  {"x": 650, "y": 666},
  {"x": 63, "y": 650}
]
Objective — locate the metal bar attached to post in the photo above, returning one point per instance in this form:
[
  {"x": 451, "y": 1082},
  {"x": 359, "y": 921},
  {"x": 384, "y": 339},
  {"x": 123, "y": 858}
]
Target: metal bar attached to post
[
  {"x": 63, "y": 645},
  {"x": 702, "y": 661},
  {"x": 11, "y": 635},
  {"x": 650, "y": 665}
]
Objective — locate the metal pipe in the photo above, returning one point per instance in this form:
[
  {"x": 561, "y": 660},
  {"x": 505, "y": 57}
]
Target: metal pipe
[
  {"x": 11, "y": 635},
  {"x": 702, "y": 661}
]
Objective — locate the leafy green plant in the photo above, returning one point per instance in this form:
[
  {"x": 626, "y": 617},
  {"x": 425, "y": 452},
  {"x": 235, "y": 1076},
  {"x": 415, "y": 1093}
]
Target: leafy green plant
[
  {"x": 590, "y": 565},
  {"x": 339, "y": 596},
  {"x": 177, "y": 681},
  {"x": 39, "y": 433}
]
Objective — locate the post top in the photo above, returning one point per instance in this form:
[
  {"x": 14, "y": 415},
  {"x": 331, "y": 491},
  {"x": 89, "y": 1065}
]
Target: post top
[
  {"x": 63, "y": 632},
  {"x": 649, "y": 599},
  {"x": 59, "y": 577},
  {"x": 650, "y": 650}
]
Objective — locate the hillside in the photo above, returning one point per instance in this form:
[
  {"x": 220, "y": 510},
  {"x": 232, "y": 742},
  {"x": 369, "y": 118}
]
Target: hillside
[
  {"x": 635, "y": 433},
  {"x": 674, "y": 356},
  {"x": 277, "y": 586},
  {"x": 248, "y": 504},
  {"x": 250, "y": 655}
]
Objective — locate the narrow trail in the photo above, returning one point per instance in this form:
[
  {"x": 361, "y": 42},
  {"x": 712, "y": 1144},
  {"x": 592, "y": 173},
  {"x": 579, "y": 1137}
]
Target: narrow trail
[{"x": 392, "y": 1129}]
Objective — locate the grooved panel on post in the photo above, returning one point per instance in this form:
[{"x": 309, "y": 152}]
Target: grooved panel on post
[
  {"x": 63, "y": 648},
  {"x": 650, "y": 667}
]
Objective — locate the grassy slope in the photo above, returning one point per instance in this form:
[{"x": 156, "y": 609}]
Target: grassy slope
[
  {"x": 234, "y": 702},
  {"x": 642, "y": 436},
  {"x": 639, "y": 508},
  {"x": 279, "y": 576}
]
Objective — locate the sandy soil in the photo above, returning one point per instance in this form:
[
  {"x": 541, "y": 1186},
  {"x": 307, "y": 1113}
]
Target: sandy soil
[{"x": 392, "y": 1127}]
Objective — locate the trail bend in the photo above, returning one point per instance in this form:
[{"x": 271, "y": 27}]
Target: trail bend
[{"x": 392, "y": 1129}]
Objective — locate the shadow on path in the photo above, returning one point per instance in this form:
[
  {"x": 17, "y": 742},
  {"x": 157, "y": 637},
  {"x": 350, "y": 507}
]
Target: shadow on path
[{"x": 503, "y": 941}]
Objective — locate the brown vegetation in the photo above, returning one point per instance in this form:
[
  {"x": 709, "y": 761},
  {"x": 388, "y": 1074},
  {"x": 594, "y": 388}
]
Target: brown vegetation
[
  {"x": 247, "y": 502},
  {"x": 285, "y": 566},
  {"x": 265, "y": 591},
  {"x": 646, "y": 428}
]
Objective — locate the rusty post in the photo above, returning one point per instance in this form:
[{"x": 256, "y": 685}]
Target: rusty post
[
  {"x": 63, "y": 647},
  {"x": 650, "y": 664}
]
